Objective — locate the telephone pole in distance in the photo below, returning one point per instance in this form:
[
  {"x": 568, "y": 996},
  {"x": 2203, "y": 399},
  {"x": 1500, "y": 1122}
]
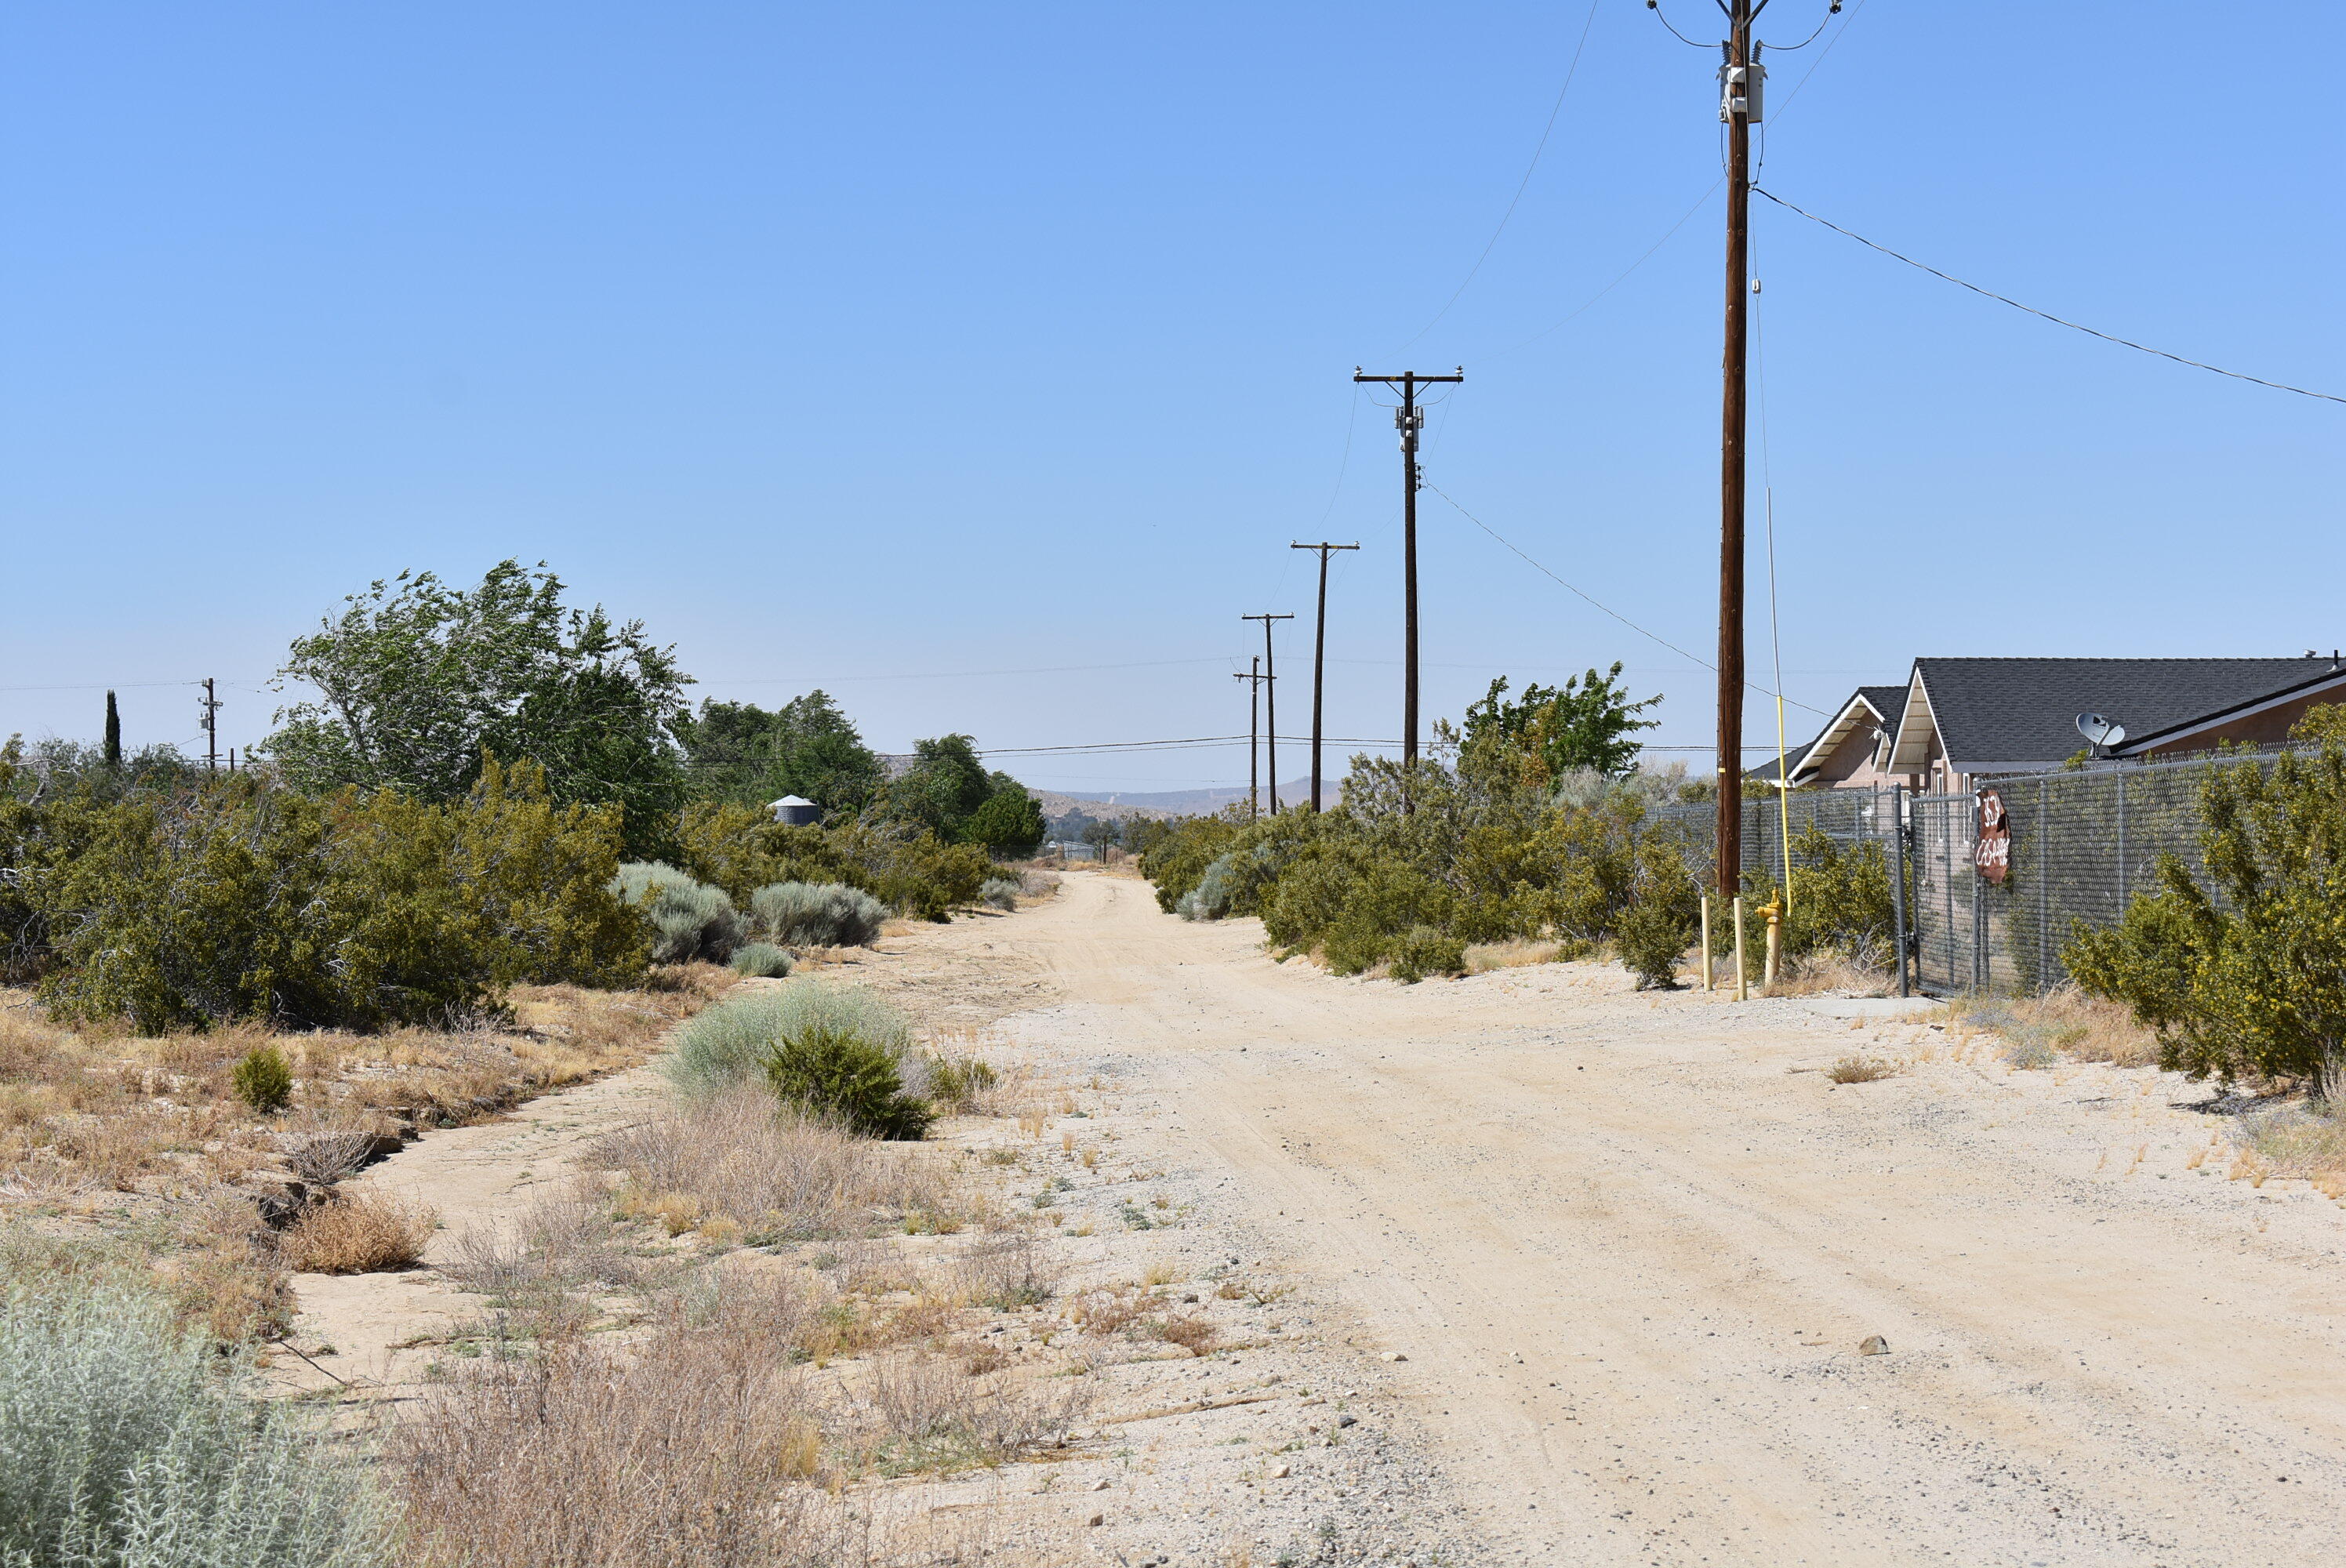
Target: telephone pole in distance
[
  {"x": 1254, "y": 733},
  {"x": 1319, "y": 656},
  {"x": 1410, "y": 419},
  {"x": 1270, "y": 706},
  {"x": 210, "y": 703}
]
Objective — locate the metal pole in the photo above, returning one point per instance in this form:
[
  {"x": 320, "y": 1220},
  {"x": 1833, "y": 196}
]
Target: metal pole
[
  {"x": 1898, "y": 880},
  {"x": 1735, "y": 107},
  {"x": 1741, "y": 994},
  {"x": 1706, "y": 941}
]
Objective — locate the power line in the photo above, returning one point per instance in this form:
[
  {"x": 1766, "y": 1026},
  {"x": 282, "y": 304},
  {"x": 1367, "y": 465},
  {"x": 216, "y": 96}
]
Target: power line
[
  {"x": 1521, "y": 186},
  {"x": 1585, "y": 306},
  {"x": 1600, "y": 604},
  {"x": 2046, "y": 315}
]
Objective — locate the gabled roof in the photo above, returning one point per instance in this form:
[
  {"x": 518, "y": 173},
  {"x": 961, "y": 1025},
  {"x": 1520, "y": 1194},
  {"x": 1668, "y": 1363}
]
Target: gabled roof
[
  {"x": 1869, "y": 708},
  {"x": 2333, "y": 679},
  {"x": 2010, "y": 713}
]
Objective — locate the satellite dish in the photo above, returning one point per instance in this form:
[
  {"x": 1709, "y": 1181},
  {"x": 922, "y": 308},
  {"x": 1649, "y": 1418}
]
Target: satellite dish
[{"x": 2100, "y": 731}]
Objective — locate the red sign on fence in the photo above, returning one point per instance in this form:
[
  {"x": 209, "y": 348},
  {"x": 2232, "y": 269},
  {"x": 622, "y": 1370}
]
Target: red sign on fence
[{"x": 1992, "y": 855}]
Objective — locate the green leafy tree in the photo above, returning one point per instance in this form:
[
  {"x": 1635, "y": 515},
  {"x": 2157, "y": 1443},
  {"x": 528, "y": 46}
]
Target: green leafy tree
[
  {"x": 1009, "y": 824},
  {"x": 1589, "y": 721},
  {"x": 942, "y": 788},
  {"x": 418, "y": 682},
  {"x": 739, "y": 751}
]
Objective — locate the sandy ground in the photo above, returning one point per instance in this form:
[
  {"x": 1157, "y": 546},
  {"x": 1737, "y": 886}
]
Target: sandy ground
[{"x": 1629, "y": 1246}]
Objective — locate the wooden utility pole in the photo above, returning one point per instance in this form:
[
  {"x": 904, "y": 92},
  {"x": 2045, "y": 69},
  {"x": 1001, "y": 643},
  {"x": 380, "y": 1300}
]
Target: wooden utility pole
[
  {"x": 210, "y": 704},
  {"x": 1319, "y": 656},
  {"x": 1409, "y": 419},
  {"x": 1270, "y": 706},
  {"x": 1254, "y": 733},
  {"x": 1740, "y": 104}
]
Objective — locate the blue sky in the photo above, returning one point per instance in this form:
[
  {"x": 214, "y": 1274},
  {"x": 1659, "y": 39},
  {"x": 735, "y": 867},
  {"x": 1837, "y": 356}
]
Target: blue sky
[{"x": 885, "y": 347}]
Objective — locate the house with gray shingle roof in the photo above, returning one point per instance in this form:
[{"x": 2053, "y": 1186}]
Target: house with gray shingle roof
[{"x": 1956, "y": 720}]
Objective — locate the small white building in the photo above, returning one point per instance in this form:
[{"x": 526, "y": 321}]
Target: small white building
[{"x": 795, "y": 812}]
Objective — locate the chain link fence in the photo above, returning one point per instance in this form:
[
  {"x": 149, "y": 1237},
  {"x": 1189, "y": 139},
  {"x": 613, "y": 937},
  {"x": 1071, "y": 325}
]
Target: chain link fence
[
  {"x": 2084, "y": 844},
  {"x": 1845, "y": 816}
]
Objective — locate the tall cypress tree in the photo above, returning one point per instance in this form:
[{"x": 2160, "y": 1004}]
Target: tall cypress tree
[{"x": 113, "y": 733}]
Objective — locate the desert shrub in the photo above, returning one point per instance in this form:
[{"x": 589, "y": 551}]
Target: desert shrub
[
  {"x": 1664, "y": 914},
  {"x": 999, "y": 892},
  {"x": 262, "y": 1080},
  {"x": 956, "y": 1082},
  {"x": 1421, "y": 950},
  {"x": 2243, "y": 970},
  {"x": 1859, "y": 1069},
  {"x": 906, "y": 866},
  {"x": 818, "y": 914},
  {"x": 690, "y": 920},
  {"x": 126, "y": 1442},
  {"x": 839, "y": 1074},
  {"x": 359, "y": 1232},
  {"x": 728, "y": 1043},
  {"x": 1653, "y": 937},
  {"x": 761, "y": 961},
  {"x": 240, "y": 900},
  {"x": 1179, "y": 859}
]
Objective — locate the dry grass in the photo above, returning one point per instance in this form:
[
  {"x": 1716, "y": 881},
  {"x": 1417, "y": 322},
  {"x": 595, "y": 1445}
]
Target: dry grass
[
  {"x": 360, "y": 1233},
  {"x": 1861, "y": 1070},
  {"x": 923, "y": 1412},
  {"x": 1190, "y": 1332},
  {"x": 94, "y": 1110},
  {"x": 2081, "y": 1027},
  {"x": 1830, "y": 973},
  {"x": 700, "y": 1445},
  {"x": 2306, "y": 1141},
  {"x": 1483, "y": 957},
  {"x": 778, "y": 1177}
]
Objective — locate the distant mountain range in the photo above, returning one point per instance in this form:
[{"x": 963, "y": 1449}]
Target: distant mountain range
[{"x": 1118, "y": 806}]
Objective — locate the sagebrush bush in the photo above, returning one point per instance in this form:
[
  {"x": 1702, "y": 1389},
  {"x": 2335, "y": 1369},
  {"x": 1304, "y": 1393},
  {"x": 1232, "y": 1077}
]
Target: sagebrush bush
[
  {"x": 841, "y": 1076},
  {"x": 1421, "y": 950},
  {"x": 127, "y": 1443},
  {"x": 761, "y": 961},
  {"x": 818, "y": 914},
  {"x": 690, "y": 920},
  {"x": 905, "y": 867},
  {"x": 727, "y": 1045},
  {"x": 999, "y": 892},
  {"x": 262, "y": 1079}
]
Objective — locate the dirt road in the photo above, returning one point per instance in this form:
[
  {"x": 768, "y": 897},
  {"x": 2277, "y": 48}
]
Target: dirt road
[{"x": 1630, "y": 1246}]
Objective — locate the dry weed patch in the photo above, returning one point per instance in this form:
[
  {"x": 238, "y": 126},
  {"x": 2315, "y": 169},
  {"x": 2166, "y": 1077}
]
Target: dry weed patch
[
  {"x": 2065, "y": 1022},
  {"x": 1861, "y": 1070},
  {"x": 777, "y": 1176},
  {"x": 360, "y": 1233},
  {"x": 1483, "y": 957}
]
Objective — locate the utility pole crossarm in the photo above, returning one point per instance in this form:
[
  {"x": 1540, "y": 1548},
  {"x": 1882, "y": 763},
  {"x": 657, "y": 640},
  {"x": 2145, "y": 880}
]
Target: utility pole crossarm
[{"x": 1409, "y": 419}]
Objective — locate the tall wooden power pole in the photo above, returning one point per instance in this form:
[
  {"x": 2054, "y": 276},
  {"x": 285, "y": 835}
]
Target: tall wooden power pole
[
  {"x": 1254, "y": 733},
  {"x": 1739, "y": 104},
  {"x": 210, "y": 703},
  {"x": 1269, "y": 705},
  {"x": 1319, "y": 656},
  {"x": 1409, "y": 419}
]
